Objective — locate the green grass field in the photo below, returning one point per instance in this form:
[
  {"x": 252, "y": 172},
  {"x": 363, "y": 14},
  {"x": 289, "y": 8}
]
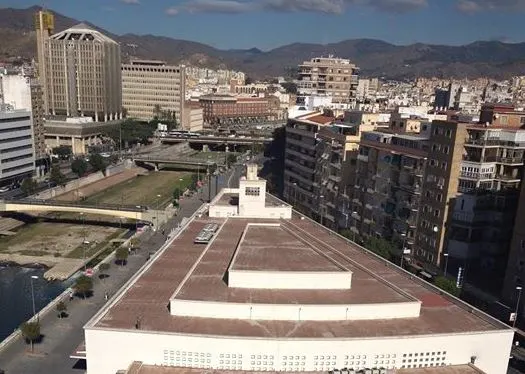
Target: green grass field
[{"x": 144, "y": 190}]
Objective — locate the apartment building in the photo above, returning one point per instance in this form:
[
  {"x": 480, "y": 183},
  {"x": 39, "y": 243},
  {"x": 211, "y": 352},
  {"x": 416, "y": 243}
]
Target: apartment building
[
  {"x": 82, "y": 74},
  {"x": 403, "y": 186},
  {"x": 192, "y": 117},
  {"x": 227, "y": 109},
  {"x": 515, "y": 269},
  {"x": 330, "y": 76},
  {"x": 17, "y": 159},
  {"x": 320, "y": 161},
  {"x": 18, "y": 91},
  {"x": 150, "y": 85}
]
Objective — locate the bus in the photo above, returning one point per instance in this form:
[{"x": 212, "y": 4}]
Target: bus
[{"x": 183, "y": 134}]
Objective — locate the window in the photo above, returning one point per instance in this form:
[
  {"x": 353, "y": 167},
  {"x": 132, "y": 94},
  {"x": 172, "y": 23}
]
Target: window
[{"x": 252, "y": 191}]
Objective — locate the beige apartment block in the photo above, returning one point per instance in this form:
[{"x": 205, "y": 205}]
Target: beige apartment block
[
  {"x": 81, "y": 74},
  {"x": 330, "y": 76},
  {"x": 149, "y": 86}
]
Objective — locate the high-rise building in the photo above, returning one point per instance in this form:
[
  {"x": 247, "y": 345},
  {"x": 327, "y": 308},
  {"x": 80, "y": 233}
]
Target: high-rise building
[
  {"x": 17, "y": 159},
  {"x": 330, "y": 76},
  {"x": 82, "y": 74},
  {"x": 44, "y": 25},
  {"x": 149, "y": 87}
]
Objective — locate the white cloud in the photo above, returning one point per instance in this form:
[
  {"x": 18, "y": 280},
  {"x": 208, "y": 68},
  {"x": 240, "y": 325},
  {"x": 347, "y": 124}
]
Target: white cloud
[
  {"x": 472, "y": 6},
  {"x": 130, "y": 2},
  {"x": 316, "y": 6}
]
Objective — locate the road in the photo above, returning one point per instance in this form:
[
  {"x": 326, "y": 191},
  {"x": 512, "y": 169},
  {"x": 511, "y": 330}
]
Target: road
[{"x": 62, "y": 336}]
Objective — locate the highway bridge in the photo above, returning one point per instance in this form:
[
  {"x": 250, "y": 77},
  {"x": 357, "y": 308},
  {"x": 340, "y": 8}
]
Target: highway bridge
[
  {"x": 215, "y": 139},
  {"x": 135, "y": 212}
]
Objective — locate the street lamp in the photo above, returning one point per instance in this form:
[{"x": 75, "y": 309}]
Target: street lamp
[
  {"x": 33, "y": 294},
  {"x": 446, "y": 263},
  {"x": 321, "y": 197},
  {"x": 435, "y": 229},
  {"x": 158, "y": 210},
  {"x": 518, "y": 288},
  {"x": 404, "y": 235}
]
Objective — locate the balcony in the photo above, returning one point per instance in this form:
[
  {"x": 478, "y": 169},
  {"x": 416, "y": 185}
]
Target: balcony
[
  {"x": 491, "y": 142},
  {"x": 335, "y": 178},
  {"x": 477, "y": 176},
  {"x": 511, "y": 160},
  {"x": 508, "y": 178}
]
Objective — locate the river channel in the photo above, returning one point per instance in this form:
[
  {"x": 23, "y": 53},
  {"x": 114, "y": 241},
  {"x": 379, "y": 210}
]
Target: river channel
[{"x": 15, "y": 295}]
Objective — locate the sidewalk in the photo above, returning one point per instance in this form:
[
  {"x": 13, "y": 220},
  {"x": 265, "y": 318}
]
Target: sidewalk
[{"x": 62, "y": 336}]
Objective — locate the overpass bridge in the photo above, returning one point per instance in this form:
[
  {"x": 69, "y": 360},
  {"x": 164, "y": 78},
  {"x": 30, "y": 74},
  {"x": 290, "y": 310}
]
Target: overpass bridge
[
  {"x": 221, "y": 140},
  {"x": 161, "y": 159},
  {"x": 135, "y": 212}
]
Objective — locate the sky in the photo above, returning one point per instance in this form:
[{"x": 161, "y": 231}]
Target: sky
[{"x": 267, "y": 24}]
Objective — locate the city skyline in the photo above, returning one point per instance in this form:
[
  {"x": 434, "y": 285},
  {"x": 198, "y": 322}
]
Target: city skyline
[{"x": 217, "y": 22}]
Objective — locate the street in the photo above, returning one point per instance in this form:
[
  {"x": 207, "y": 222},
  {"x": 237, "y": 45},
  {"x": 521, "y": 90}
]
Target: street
[{"x": 62, "y": 336}]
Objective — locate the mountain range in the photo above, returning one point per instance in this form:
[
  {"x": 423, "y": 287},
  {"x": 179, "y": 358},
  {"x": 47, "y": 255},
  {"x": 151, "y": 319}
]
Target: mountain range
[{"x": 375, "y": 58}]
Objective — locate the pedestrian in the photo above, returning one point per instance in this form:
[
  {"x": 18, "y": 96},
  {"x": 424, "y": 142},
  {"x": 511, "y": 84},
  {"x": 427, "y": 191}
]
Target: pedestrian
[
  {"x": 71, "y": 295},
  {"x": 106, "y": 296}
]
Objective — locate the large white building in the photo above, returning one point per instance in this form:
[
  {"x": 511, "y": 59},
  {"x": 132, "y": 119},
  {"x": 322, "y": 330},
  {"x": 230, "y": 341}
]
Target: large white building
[
  {"x": 17, "y": 158},
  {"x": 268, "y": 291}
]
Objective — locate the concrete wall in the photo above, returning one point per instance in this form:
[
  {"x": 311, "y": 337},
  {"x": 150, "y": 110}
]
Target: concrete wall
[
  {"x": 109, "y": 351},
  {"x": 294, "y": 312},
  {"x": 290, "y": 280}
]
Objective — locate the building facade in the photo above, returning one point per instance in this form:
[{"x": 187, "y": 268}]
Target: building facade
[
  {"x": 82, "y": 74},
  {"x": 149, "y": 87},
  {"x": 44, "y": 23},
  {"x": 226, "y": 109},
  {"x": 17, "y": 158},
  {"x": 330, "y": 76}
]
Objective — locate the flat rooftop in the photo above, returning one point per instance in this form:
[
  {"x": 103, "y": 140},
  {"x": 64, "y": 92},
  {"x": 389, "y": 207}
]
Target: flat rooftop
[
  {"x": 273, "y": 248},
  {"x": 139, "y": 368},
  {"x": 197, "y": 272}
]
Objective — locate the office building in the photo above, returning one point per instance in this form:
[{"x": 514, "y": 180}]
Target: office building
[
  {"x": 192, "y": 117},
  {"x": 150, "y": 88},
  {"x": 246, "y": 285},
  {"x": 329, "y": 76},
  {"x": 17, "y": 158},
  {"x": 82, "y": 75}
]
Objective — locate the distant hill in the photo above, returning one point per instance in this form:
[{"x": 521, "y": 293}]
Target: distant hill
[{"x": 374, "y": 57}]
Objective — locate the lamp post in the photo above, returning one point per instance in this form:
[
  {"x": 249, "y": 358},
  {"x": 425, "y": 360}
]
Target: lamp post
[
  {"x": 321, "y": 197},
  {"x": 518, "y": 288},
  {"x": 446, "y": 263},
  {"x": 158, "y": 210},
  {"x": 33, "y": 294},
  {"x": 294, "y": 194},
  {"x": 404, "y": 235}
]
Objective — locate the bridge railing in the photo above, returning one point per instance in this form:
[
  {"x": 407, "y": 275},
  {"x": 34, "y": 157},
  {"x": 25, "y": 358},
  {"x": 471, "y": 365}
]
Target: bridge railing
[
  {"x": 161, "y": 159},
  {"x": 128, "y": 208}
]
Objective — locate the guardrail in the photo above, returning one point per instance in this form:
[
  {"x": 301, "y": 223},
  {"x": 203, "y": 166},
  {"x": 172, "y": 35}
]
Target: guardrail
[{"x": 129, "y": 208}]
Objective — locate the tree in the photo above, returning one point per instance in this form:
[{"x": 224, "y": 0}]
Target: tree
[
  {"x": 104, "y": 267},
  {"x": 97, "y": 162},
  {"x": 447, "y": 285},
  {"x": 176, "y": 195},
  {"x": 57, "y": 177},
  {"x": 380, "y": 247},
  {"x": 290, "y": 87},
  {"x": 83, "y": 285},
  {"x": 157, "y": 111},
  {"x": 61, "y": 309},
  {"x": 63, "y": 152},
  {"x": 231, "y": 159},
  {"x": 30, "y": 331},
  {"x": 122, "y": 255},
  {"x": 79, "y": 166},
  {"x": 28, "y": 186}
]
